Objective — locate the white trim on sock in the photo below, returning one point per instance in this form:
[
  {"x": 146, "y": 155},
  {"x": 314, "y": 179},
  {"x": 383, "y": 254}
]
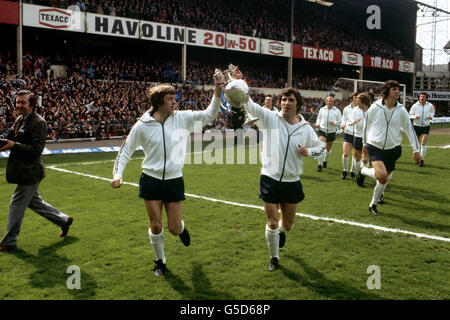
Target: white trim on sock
[
  {"x": 423, "y": 151},
  {"x": 377, "y": 191},
  {"x": 157, "y": 242},
  {"x": 369, "y": 172},
  {"x": 357, "y": 166},
  {"x": 345, "y": 163},
  {"x": 273, "y": 241}
]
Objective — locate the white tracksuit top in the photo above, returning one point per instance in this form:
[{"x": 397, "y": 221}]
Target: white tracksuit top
[
  {"x": 281, "y": 159},
  {"x": 325, "y": 116},
  {"x": 358, "y": 113},
  {"x": 164, "y": 145},
  {"x": 423, "y": 112},
  {"x": 347, "y": 118},
  {"x": 382, "y": 127}
]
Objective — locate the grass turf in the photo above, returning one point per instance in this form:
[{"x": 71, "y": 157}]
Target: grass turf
[{"x": 228, "y": 255}]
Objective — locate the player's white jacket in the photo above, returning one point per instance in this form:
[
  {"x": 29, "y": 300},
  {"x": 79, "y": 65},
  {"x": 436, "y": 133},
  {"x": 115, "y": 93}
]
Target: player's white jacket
[
  {"x": 423, "y": 112},
  {"x": 358, "y": 127},
  {"x": 164, "y": 145},
  {"x": 382, "y": 127},
  {"x": 347, "y": 118},
  {"x": 280, "y": 157},
  {"x": 325, "y": 116}
]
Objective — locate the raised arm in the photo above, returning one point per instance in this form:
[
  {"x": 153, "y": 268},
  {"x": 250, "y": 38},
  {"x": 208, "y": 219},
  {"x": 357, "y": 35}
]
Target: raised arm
[{"x": 206, "y": 116}]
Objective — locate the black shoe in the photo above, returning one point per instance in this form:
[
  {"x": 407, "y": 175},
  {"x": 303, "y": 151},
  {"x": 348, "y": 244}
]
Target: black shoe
[
  {"x": 273, "y": 264},
  {"x": 373, "y": 210},
  {"x": 160, "y": 268},
  {"x": 65, "y": 227},
  {"x": 319, "y": 168},
  {"x": 360, "y": 179},
  {"x": 344, "y": 175},
  {"x": 352, "y": 174},
  {"x": 185, "y": 238},
  {"x": 282, "y": 239},
  {"x": 324, "y": 164},
  {"x": 381, "y": 200},
  {"x": 8, "y": 247},
  {"x": 421, "y": 163}
]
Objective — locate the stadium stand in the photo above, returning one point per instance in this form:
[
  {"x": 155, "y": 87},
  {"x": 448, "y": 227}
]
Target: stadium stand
[{"x": 260, "y": 18}]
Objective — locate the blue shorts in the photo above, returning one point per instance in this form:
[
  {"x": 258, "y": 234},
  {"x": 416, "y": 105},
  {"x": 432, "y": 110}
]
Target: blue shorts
[
  {"x": 348, "y": 138},
  {"x": 273, "y": 191},
  {"x": 389, "y": 157},
  {"x": 357, "y": 143},
  {"x": 171, "y": 190},
  {"x": 329, "y": 136},
  {"x": 421, "y": 130}
]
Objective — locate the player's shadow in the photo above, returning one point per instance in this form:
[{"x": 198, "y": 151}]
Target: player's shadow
[
  {"x": 331, "y": 289},
  {"x": 410, "y": 192},
  {"x": 51, "y": 270},
  {"x": 418, "y": 169},
  {"x": 202, "y": 286},
  {"x": 414, "y": 206},
  {"x": 424, "y": 225}
]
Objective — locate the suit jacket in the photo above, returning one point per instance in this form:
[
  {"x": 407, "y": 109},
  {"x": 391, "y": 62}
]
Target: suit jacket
[{"x": 25, "y": 163}]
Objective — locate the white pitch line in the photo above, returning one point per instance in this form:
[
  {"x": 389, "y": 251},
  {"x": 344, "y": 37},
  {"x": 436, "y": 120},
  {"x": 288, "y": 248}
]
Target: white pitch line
[
  {"x": 113, "y": 160},
  {"x": 303, "y": 215}
]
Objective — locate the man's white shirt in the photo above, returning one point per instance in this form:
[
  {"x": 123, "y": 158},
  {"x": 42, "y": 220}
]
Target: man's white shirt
[
  {"x": 358, "y": 127},
  {"x": 325, "y": 116},
  {"x": 382, "y": 127},
  {"x": 347, "y": 119},
  {"x": 423, "y": 112},
  {"x": 281, "y": 159},
  {"x": 164, "y": 145}
]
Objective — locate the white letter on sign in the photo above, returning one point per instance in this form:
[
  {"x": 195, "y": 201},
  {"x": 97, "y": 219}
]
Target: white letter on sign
[{"x": 374, "y": 21}]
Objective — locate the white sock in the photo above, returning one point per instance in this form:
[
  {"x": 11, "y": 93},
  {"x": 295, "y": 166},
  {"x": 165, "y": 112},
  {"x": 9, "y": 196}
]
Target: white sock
[
  {"x": 157, "y": 242},
  {"x": 320, "y": 159},
  {"x": 423, "y": 151},
  {"x": 357, "y": 166},
  {"x": 273, "y": 241},
  {"x": 345, "y": 163},
  {"x": 377, "y": 192},
  {"x": 388, "y": 179},
  {"x": 368, "y": 172},
  {"x": 182, "y": 226},
  {"x": 352, "y": 168},
  {"x": 327, "y": 154}
]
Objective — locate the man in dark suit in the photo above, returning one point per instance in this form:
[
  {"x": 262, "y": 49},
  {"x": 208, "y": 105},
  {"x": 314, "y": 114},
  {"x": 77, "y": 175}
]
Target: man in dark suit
[{"x": 26, "y": 142}]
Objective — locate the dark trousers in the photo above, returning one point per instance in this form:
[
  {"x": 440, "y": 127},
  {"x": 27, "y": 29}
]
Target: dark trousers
[{"x": 27, "y": 196}]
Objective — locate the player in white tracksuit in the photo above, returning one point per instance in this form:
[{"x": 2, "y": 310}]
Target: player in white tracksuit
[
  {"x": 422, "y": 112},
  {"x": 358, "y": 116},
  {"x": 349, "y": 134},
  {"x": 382, "y": 138},
  {"x": 328, "y": 121},
  {"x": 162, "y": 132},
  {"x": 288, "y": 138}
]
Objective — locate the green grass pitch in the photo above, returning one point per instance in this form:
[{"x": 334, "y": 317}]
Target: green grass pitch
[{"x": 228, "y": 255}]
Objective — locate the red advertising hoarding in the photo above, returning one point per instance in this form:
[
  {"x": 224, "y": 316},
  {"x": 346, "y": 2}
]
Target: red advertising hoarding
[
  {"x": 9, "y": 12},
  {"x": 381, "y": 63},
  {"x": 318, "y": 54}
]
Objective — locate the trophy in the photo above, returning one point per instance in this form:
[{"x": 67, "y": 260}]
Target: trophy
[{"x": 235, "y": 91}]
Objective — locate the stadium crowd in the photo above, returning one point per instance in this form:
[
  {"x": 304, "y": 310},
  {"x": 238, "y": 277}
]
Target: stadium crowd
[
  {"x": 257, "y": 18},
  {"x": 102, "y": 97}
]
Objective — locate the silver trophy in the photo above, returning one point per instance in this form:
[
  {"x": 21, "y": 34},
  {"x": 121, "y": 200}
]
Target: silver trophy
[{"x": 235, "y": 91}]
